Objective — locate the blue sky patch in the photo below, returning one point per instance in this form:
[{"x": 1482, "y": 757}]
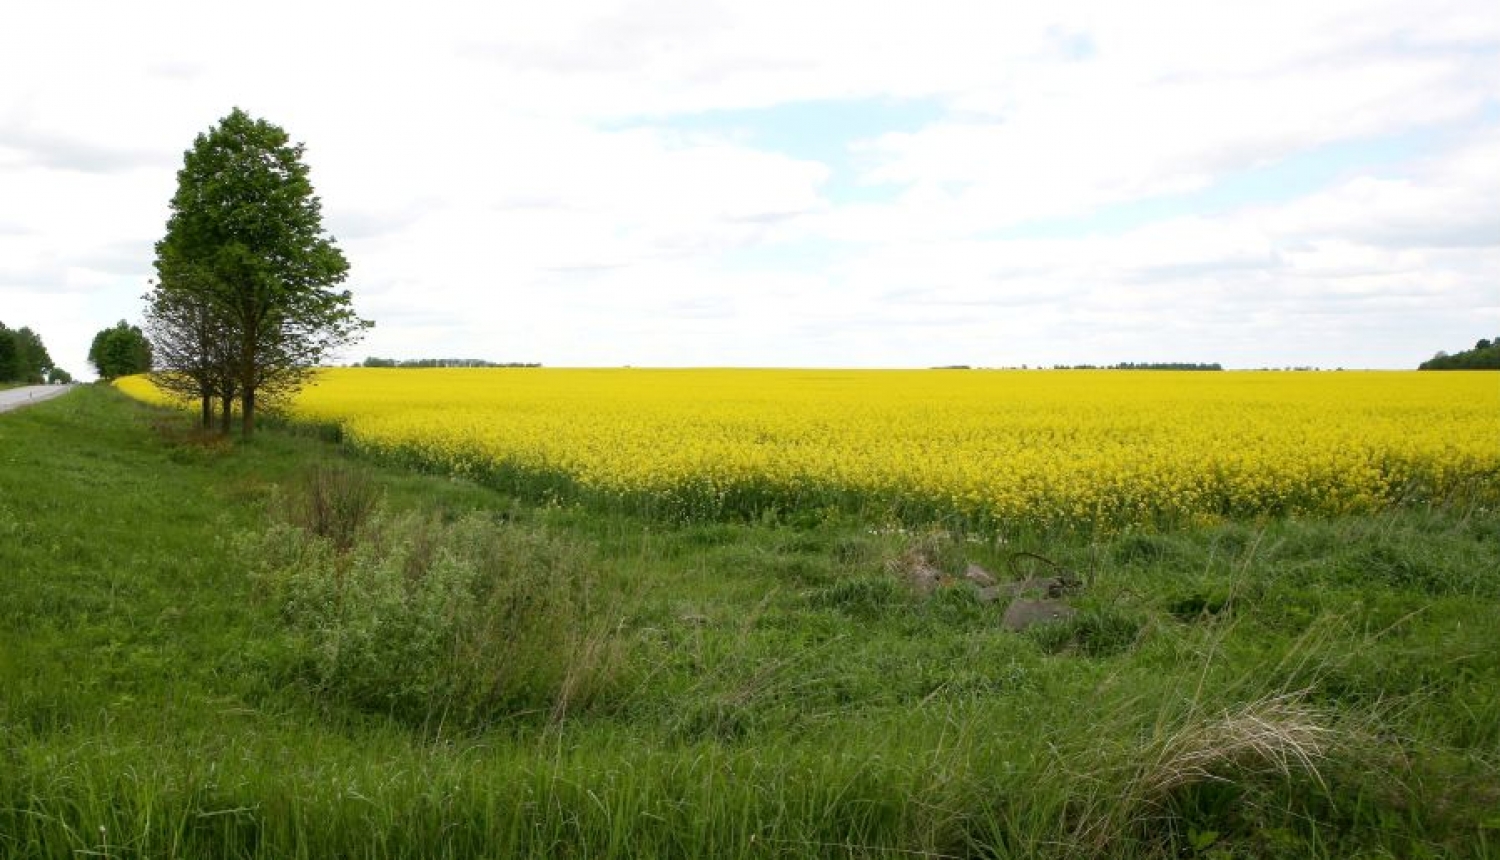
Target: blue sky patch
[
  {"x": 818, "y": 130},
  {"x": 1279, "y": 182},
  {"x": 1072, "y": 45}
]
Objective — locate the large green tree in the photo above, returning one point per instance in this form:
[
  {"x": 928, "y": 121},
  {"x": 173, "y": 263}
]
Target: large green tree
[
  {"x": 30, "y": 361},
  {"x": 120, "y": 350},
  {"x": 246, "y": 262}
]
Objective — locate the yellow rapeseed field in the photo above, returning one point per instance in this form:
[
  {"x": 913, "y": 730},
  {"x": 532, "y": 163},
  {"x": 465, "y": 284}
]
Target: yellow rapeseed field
[{"x": 1109, "y": 448}]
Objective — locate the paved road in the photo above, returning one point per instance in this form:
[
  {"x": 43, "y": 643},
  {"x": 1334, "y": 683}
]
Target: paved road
[{"x": 15, "y": 398}]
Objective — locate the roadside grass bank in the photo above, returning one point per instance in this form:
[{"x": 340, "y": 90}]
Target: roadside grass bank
[{"x": 210, "y": 649}]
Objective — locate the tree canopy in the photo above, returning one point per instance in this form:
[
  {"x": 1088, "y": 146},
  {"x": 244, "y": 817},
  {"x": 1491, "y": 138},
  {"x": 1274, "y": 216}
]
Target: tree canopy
[
  {"x": 120, "y": 350},
  {"x": 245, "y": 303},
  {"x": 23, "y": 357}
]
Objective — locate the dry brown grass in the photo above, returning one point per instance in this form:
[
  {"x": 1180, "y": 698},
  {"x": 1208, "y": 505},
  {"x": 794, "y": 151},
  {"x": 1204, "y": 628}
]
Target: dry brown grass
[
  {"x": 1276, "y": 737},
  {"x": 336, "y": 502},
  {"x": 180, "y": 434},
  {"x": 1273, "y": 738}
]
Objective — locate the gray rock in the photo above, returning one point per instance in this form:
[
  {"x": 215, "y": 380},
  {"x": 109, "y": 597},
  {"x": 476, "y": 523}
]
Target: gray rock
[
  {"x": 1045, "y": 586},
  {"x": 1023, "y": 614},
  {"x": 979, "y": 576},
  {"x": 924, "y": 578}
]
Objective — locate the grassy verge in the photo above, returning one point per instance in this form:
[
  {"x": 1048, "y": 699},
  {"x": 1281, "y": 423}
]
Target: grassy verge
[{"x": 605, "y": 685}]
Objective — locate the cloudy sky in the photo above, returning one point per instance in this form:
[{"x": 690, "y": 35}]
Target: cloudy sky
[{"x": 796, "y": 182}]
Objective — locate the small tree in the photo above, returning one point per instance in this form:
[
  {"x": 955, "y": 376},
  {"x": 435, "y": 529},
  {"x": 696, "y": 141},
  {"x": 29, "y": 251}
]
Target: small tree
[
  {"x": 120, "y": 351},
  {"x": 246, "y": 276},
  {"x": 192, "y": 348}
]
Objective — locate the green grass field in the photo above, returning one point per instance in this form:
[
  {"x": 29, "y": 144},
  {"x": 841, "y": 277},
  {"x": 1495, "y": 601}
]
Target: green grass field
[{"x": 210, "y": 649}]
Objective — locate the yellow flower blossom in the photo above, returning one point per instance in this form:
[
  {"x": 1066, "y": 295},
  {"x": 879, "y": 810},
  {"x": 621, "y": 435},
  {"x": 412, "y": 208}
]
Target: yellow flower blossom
[{"x": 1110, "y": 448}]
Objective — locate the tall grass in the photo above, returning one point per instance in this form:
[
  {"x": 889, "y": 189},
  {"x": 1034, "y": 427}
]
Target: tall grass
[{"x": 196, "y": 660}]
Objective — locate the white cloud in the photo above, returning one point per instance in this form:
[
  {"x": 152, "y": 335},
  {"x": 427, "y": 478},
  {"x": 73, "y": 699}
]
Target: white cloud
[{"x": 1445, "y": 202}]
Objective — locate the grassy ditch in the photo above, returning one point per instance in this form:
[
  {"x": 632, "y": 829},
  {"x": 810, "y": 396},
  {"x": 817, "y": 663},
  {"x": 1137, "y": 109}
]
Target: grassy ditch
[{"x": 275, "y": 650}]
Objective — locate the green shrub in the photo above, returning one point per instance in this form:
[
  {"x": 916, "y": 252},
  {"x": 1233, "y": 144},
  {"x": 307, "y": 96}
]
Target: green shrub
[
  {"x": 335, "y": 504},
  {"x": 461, "y": 622}
]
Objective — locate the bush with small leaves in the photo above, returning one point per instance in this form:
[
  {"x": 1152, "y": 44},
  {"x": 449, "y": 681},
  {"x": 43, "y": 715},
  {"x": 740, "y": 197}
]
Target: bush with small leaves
[{"x": 463, "y": 622}]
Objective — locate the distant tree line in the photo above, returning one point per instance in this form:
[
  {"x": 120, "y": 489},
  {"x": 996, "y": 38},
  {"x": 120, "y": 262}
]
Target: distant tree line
[
  {"x": 24, "y": 359},
  {"x": 440, "y": 362},
  {"x": 1484, "y": 356},
  {"x": 1143, "y": 365}
]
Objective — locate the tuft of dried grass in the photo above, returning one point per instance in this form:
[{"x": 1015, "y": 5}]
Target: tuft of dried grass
[{"x": 1277, "y": 737}]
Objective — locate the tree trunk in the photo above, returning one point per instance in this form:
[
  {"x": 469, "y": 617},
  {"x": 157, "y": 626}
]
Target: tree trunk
[
  {"x": 226, "y": 408},
  {"x": 247, "y": 412},
  {"x": 208, "y": 412}
]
